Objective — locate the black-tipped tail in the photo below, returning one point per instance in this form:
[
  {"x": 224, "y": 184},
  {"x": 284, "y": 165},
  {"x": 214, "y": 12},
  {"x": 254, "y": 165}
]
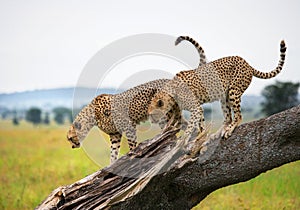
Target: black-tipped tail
[
  {"x": 267, "y": 75},
  {"x": 196, "y": 44}
]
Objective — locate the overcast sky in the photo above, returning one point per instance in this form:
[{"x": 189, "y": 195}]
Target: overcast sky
[{"x": 46, "y": 44}]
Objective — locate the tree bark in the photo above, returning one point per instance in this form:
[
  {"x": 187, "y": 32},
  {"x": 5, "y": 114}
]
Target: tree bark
[{"x": 163, "y": 174}]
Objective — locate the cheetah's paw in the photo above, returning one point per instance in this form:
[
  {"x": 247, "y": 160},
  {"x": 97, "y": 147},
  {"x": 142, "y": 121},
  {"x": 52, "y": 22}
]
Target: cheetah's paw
[{"x": 227, "y": 131}]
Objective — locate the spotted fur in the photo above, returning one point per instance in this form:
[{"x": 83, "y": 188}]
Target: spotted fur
[
  {"x": 120, "y": 113},
  {"x": 225, "y": 79}
]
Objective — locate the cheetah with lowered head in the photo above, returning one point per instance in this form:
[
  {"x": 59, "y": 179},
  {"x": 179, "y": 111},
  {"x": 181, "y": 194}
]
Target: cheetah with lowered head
[
  {"x": 120, "y": 113},
  {"x": 224, "y": 79}
]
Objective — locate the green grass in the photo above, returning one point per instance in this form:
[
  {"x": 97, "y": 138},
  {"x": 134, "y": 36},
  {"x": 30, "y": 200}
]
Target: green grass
[
  {"x": 275, "y": 189},
  {"x": 37, "y": 159}
]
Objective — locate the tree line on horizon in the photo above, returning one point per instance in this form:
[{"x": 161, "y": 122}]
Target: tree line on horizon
[{"x": 36, "y": 116}]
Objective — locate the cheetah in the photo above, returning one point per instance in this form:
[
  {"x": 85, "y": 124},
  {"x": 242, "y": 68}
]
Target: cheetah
[
  {"x": 224, "y": 80},
  {"x": 117, "y": 114},
  {"x": 120, "y": 113}
]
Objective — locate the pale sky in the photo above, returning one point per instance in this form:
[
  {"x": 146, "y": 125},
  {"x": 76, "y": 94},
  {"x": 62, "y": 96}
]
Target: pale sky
[{"x": 47, "y": 43}]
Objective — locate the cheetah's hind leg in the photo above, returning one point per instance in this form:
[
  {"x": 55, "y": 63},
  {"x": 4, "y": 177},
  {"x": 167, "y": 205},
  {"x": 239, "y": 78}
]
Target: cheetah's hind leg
[{"x": 236, "y": 107}]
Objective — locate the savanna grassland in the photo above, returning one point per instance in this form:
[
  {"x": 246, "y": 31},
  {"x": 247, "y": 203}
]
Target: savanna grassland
[{"x": 37, "y": 159}]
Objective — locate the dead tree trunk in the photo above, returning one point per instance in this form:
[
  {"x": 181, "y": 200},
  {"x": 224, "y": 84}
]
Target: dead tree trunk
[{"x": 160, "y": 175}]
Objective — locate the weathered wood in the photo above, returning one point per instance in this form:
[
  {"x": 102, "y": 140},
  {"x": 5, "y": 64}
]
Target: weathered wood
[{"x": 160, "y": 175}]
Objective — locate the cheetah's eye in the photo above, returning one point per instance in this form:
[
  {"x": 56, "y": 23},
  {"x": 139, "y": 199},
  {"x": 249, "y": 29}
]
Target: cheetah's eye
[
  {"x": 106, "y": 112},
  {"x": 77, "y": 125},
  {"x": 160, "y": 103}
]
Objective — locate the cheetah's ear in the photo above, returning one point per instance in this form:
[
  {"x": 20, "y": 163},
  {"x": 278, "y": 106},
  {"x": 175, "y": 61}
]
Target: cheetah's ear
[
  {"x": 77, "y": 125},
  {"x": 160, "y": 103},
  {"x": 106, "y": 112}
]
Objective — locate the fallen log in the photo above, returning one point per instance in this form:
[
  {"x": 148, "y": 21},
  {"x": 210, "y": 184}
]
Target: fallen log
[{"x": 162, "y": 173}]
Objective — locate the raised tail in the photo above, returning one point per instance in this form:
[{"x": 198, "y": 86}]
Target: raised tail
[
  {"x": 196, "y": 44},
  {"x": 276, "y": 71}
]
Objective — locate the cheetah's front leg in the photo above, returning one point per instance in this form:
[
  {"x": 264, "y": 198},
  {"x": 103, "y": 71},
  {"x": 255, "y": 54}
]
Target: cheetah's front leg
[
  {"x": 196, "y": 123},
  {"x": 227, "y": 119},
  {"x": 131, "y": 137},
  {"x": 163, "y": 122},
  {"x": 115, "y": 141},
  {"x": 226, "y": 112},
  {"x": 177, "y": 120}
]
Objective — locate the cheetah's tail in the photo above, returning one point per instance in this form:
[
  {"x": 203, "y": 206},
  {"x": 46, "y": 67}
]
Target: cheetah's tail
[
  {"x": 196, "y": 44},
  {"x": 267, "y": 75}
]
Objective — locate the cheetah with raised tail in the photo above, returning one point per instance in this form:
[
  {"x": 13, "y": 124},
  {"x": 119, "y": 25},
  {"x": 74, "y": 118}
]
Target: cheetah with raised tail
[
  {"x": 225, "y": 79},
  {"x": 120, "y": 113}
]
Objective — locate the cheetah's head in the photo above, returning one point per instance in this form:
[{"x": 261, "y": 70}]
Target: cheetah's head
[
  {"x": 82, "y": 124},
  {"x": 72, "y": 136},
  {"x": 160, "y": 105}
]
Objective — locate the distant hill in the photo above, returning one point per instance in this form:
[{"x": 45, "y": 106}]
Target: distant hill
[
  {"x": 50, "y": 98},
  {"x": 69, "y": 97}
]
